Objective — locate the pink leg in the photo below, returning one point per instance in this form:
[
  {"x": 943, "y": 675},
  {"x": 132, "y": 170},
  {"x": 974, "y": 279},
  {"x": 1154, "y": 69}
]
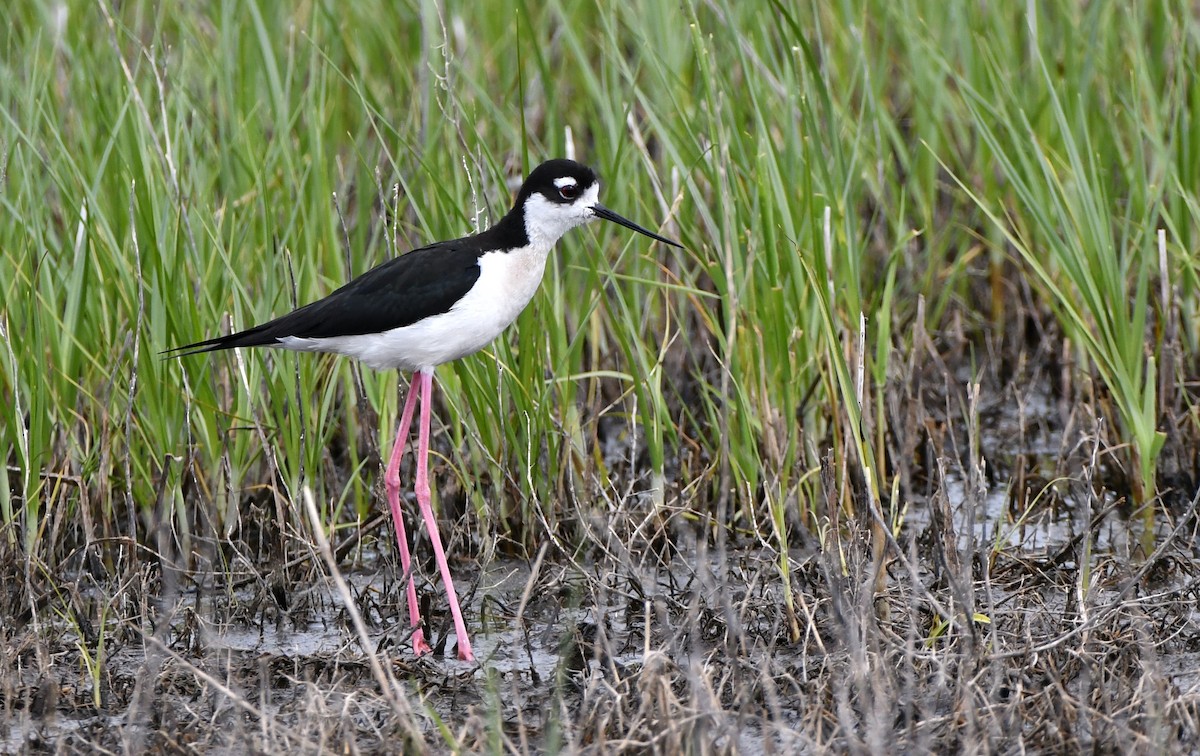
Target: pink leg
[
  {"x": 391, "y": 481},
  {"x": 425, "y": 378}
]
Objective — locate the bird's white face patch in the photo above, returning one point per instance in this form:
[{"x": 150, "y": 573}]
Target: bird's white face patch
[
  {"x": 565, "y": 181},
  {"x": 546, "y": 221}
]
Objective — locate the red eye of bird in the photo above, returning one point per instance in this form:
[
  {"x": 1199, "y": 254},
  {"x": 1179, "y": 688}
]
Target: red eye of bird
[{"x": 568, "y": 192}]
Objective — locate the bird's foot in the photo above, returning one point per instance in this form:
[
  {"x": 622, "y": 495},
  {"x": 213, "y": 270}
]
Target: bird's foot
[{"x": 420, "y": 647}]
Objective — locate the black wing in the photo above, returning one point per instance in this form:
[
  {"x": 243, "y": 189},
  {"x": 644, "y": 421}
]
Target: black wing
[{"x": 399, "y": 292}]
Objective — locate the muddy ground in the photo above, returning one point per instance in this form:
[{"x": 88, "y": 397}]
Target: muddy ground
[{"x": 1016, "y": 616}]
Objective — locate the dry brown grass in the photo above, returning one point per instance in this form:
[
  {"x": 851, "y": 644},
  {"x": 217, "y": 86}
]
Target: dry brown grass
[{"x": 652, "y": 639}]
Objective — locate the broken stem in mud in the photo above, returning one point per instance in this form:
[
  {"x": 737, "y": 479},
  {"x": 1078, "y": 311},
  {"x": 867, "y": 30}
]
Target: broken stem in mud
[{"x": 388, "y": 685}]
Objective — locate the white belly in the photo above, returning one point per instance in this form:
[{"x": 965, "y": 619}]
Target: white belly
[{"x": 507, "y": 281}]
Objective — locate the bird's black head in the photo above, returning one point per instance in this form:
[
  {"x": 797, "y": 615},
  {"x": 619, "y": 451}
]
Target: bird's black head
[
  {"x": 560, "y": 181},
  {"x": 561, "y": 194}
]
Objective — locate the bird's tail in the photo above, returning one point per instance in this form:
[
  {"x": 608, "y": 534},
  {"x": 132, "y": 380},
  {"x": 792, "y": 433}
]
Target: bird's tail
[{"x": 251, "y": 337}]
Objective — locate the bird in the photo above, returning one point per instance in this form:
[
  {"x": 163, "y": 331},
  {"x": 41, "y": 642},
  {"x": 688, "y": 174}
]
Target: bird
[{"x": 434, "y": 305}]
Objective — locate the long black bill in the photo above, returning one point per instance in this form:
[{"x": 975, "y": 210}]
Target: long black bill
[{"x": 603, "y": 212}]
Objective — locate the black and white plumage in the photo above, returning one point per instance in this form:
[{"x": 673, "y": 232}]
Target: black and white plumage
[
  {"x": 433, "y": 305},
  {"x": 449, "y": 299}
]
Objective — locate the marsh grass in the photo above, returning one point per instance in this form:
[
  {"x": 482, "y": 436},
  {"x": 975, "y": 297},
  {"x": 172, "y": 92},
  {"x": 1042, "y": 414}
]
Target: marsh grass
[{"x": 881, "y": 203}]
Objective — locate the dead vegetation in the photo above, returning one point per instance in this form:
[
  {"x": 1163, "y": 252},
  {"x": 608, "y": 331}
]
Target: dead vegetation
[{"x": 1029, "y": 629}]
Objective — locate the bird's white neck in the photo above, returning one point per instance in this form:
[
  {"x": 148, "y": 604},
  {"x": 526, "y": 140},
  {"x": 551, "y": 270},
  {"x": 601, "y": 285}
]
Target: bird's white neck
[{"x": 546, "y": 222}]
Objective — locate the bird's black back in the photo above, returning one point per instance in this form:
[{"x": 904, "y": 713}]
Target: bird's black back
[{"x": 425, "y": 282}]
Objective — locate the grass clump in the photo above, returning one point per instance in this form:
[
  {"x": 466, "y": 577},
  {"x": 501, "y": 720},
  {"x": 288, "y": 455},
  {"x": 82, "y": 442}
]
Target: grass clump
[{"x": 924, "y": 346}]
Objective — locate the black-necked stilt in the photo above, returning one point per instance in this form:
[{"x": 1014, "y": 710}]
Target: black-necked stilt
[{"x": 433, "y": 305}]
